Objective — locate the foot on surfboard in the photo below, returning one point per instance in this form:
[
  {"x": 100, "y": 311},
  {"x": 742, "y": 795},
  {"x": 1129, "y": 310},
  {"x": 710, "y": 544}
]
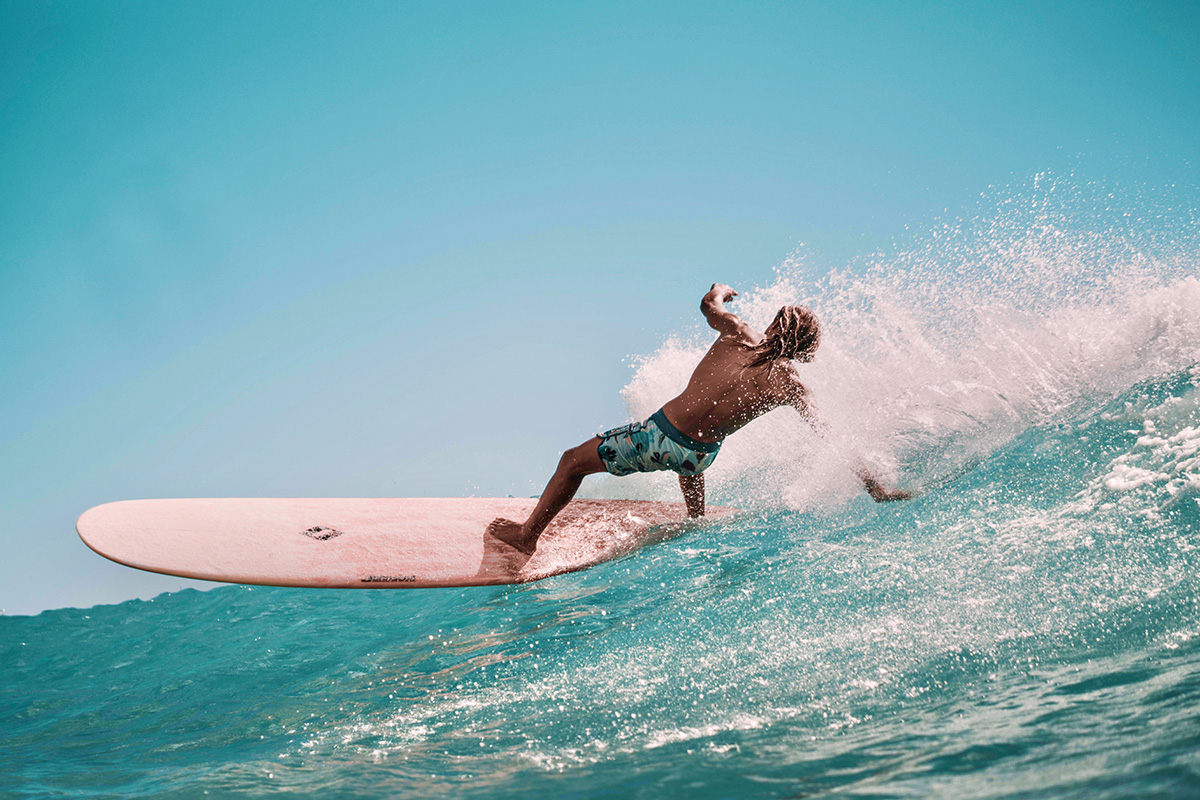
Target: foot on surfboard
[
  {"x": 511, "y": 534},
  {"x": 501, "y": 557}
]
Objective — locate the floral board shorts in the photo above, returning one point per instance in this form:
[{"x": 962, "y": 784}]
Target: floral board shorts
[{"x": 654, "y": 445}]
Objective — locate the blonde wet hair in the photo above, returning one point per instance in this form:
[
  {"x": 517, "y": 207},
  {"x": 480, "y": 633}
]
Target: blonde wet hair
[{"x": 798, "y": 334}]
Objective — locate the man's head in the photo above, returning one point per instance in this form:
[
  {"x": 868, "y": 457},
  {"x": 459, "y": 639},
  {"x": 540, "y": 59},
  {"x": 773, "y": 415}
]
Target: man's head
[{"x": 794, "y": 333}]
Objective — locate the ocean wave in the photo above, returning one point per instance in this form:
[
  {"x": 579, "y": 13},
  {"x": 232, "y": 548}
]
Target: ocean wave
[{"x": 1030, "y": 624}]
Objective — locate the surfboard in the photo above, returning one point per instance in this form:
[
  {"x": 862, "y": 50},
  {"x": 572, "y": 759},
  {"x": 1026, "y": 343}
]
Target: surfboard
[{"x": 368, "y": 542}]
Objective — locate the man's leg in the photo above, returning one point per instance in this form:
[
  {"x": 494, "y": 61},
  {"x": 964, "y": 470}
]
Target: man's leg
[{"x": 572, "y": 467}]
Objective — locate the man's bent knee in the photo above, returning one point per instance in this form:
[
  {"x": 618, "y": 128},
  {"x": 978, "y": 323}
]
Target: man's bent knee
[{"x": 582, "y": 460}]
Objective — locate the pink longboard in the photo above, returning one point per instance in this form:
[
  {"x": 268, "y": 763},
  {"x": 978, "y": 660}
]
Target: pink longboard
[{"x": 366, "y": 543}]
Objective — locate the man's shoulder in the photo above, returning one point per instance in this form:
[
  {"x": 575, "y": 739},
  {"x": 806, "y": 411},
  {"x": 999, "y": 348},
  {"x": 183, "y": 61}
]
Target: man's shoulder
[{"x": 741, "y": 336}]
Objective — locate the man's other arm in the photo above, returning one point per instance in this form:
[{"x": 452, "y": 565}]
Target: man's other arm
[
  {"x": 693, "y": 493},
  {"x": 800, "y": 399}
]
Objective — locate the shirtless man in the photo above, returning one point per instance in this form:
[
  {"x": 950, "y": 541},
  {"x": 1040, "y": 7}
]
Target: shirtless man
[{"x": 743, "y": 375}]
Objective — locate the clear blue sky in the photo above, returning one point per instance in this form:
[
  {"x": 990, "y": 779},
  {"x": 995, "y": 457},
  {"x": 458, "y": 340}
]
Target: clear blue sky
[{"x": 290, "y": 249}]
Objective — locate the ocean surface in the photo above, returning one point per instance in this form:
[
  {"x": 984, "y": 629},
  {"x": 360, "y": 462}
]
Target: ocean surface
[{"x": 1029, "y": 626}]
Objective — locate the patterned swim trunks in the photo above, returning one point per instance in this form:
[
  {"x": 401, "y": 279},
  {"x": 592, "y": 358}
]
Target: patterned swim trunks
[{"x": 654, "y": 445}]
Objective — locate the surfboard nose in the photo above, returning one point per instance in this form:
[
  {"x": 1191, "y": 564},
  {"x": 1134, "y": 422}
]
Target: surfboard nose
[{"x": 96, "y": 521}]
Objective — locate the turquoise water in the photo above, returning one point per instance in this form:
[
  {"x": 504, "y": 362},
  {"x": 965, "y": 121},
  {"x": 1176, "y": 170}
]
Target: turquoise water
[
  {"x": 1029, "y": 627},
  {"x": 988, "y": 640}
]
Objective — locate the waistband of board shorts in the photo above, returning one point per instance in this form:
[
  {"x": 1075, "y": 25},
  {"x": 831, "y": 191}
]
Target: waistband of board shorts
[{"x": 681, "y": 438}]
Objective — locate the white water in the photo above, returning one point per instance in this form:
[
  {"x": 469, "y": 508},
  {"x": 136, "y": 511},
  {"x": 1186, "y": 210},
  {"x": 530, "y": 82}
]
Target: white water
[{"x": 1049, "y": 300}]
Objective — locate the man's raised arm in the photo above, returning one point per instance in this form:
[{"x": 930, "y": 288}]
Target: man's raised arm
[{"x": 719, "y": 318}]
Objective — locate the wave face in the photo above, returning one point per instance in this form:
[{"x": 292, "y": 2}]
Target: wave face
[{"x": 1030, "y": 626}]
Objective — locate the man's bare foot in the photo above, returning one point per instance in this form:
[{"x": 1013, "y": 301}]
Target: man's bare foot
[
  {"x": 512, "y": 534},
  {"x": 500, "y": 558}
]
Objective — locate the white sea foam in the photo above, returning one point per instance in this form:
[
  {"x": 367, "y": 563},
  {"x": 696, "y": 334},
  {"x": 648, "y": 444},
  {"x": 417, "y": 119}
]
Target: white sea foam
[
  {"x": 1162, "y": 469},
  {"x": 934, "y": 355}
]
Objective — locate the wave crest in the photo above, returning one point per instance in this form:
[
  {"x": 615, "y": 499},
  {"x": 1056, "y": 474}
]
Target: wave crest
[{"x": 1049, "y": 301}]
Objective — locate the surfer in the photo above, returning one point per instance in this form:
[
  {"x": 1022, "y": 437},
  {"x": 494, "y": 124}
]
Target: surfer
[{"x": 743, "y": 375}]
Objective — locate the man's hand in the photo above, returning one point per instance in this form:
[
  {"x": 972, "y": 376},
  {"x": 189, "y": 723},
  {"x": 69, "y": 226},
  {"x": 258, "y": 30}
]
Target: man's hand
[
  {"x": 882, "y": 495},
  {"x": 723, "y": 292},
  {"x": 719, "y": 318},
  {"x": 878, "y": 493}
]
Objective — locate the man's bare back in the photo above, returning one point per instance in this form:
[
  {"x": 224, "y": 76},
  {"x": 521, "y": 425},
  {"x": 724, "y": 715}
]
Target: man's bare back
[
  {"x": 743, "y": 375},
  {"x": 726, "y": 391}
]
